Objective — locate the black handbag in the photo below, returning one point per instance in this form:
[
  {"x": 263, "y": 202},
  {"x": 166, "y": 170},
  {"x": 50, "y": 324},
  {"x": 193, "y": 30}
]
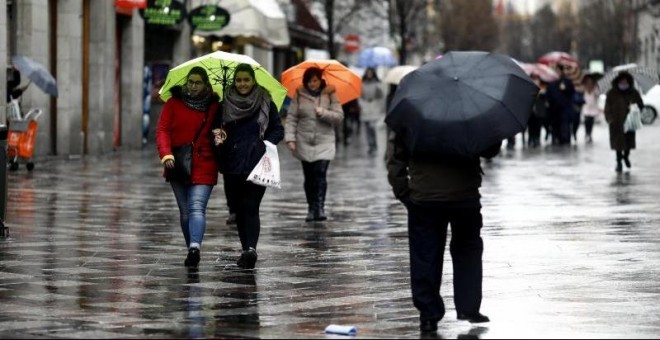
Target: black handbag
[{"x": 182, "y": 171}]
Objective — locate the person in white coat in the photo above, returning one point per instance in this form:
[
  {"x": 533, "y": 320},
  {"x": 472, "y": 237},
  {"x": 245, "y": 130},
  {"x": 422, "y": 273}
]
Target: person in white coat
[
  {"x": 372, "y": 105},
  {"x": 590, "y": 109},
  {"x": 312, "y": 117}
]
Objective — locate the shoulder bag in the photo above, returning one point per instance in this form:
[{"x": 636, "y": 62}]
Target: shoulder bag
[{"x": 182, "y": 171}]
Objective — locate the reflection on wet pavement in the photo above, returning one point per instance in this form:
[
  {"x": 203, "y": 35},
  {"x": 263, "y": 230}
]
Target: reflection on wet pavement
[{"x": 571, "y": 250}]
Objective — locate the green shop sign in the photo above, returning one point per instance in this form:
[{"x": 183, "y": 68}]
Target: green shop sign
[
  {"x": 208, "y": 18},
  {"x": 163, "y": 12}
]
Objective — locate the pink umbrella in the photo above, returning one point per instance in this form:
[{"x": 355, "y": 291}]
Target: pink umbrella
[
  {"x": 545, "y": 72},
  {"x": 556, "y": 57}
]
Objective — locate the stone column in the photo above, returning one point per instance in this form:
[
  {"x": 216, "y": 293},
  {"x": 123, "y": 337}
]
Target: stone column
[{"x": 132, "y": 63}]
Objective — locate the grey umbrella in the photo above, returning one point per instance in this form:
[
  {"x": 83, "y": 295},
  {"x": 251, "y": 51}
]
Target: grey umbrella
[
  {"x": 645, "y": 78},
  {"x": 37, "y": 73},
  {"x": 462, "y": 104}
]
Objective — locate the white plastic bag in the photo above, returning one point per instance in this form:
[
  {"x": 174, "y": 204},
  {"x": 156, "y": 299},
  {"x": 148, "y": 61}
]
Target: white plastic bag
[
  {"x": 633, "y": 119},
  {"x": 267, "y": 171}
]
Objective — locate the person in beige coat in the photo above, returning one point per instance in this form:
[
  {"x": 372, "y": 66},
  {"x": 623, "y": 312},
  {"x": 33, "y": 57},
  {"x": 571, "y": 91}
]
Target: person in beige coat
[
  {"x": 373, "y": 106},
  {"x": 310, "y": 135}
]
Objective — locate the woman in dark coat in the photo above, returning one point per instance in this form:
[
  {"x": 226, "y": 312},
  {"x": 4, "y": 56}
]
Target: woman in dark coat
[
  {"x": 248, "y": 117},
  {"x": 190, "y": 112},
  {"x": 619, "y": 98}
]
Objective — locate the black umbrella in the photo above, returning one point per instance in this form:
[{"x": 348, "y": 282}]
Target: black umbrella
[{"x": 462, "y": 104}]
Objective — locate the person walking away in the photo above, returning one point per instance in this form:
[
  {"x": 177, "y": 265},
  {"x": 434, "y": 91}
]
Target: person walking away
[
  {"x": 372, "y": 104},
  {"x": 539, "y": 112},
  {"x": 248, "y": 117},
  {"x": 187, "y": 117},
  {"x": 438, "y": 191},
  {"x": 619, "y": 98},
  {"x": 560, "y": 95},
  {"x": 590, "y": 109},
  {"x": 310, "y": 135},
  {"x": 351, "y": 122}
]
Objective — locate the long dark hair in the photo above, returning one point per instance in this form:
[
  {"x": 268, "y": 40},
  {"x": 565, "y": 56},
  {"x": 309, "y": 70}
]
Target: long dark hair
[{"x": 373, "y": 73}]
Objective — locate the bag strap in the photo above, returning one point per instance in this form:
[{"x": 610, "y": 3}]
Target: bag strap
[{"x": 201, "y": 127}]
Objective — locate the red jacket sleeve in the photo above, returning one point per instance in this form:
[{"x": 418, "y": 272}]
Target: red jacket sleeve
[{"x": 164, "y": 130}]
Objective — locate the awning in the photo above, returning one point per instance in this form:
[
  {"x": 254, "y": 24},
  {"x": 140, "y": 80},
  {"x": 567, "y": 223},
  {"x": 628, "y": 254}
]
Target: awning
[{"x": 261, "y": 19}]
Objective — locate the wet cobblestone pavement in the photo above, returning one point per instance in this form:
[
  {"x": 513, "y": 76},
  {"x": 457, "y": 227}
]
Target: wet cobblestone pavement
[{"x": 571, "y": 251}]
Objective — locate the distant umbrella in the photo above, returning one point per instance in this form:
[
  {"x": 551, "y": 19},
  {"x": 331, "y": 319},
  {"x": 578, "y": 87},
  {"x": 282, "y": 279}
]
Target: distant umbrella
[
  {"x": 645, "y": 78},
  {"x": 376, "y": 57},
  {"x": 37, "y": 73},
  {"x": 395, "y": 74}
]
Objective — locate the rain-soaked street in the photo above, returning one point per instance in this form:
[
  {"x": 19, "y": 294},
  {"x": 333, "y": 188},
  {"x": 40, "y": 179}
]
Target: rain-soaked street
[{"x": 571, "y": 251}]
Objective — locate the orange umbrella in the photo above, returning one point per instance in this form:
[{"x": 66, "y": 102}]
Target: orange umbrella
[{"x": 348, "y": 84}]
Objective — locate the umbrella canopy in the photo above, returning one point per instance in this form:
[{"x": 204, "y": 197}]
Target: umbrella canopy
[
  {"x": 396, "y": 73},
  {"x": 220, "y": 68},
  {"x": 545, "y": 72},
  {"x": 645, "y": 78},
  {"x": 557, "y": 57},
  {"x": 347, "y": 83},
  {"x": 37, "y": 73},
  {"x": 377, "y": 56},
  {"x": 461, "y": 104}
]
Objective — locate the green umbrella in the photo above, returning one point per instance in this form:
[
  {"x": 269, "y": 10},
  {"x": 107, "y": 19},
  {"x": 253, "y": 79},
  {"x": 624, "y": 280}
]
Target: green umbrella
[{"x": 220, "y": 68}]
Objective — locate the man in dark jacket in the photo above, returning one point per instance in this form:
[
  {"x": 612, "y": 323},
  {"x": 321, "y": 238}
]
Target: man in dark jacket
[{"x": 438, "y": 191}]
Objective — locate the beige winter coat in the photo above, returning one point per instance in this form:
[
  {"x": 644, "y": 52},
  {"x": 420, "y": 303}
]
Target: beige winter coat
[{"x": 313, "y": 133}]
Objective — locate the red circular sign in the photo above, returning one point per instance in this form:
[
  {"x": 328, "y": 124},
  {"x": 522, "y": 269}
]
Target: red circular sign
[{"x": 351, "y": 43}]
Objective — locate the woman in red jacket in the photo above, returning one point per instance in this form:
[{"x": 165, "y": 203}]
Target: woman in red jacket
[{"x": 187, "y": 114}]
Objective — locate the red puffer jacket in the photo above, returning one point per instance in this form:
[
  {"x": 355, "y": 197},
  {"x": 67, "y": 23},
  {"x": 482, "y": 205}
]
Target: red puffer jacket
[{"x": 178, "y": 125}]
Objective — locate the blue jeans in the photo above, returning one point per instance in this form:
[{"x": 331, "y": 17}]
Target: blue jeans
[{"x": 192, "y": 200}]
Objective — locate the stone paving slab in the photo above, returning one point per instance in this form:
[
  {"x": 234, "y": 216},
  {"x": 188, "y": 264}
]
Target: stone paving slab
[{"x": 571, "y": 251}]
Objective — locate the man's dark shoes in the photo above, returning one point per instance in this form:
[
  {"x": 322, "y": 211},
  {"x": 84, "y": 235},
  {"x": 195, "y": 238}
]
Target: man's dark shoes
[
  {"x": 474, "y": 318},
  {"x": 192, "y": 260},
  {"x": 248, "y": 259},
  {"x": 428, "y": 326}
]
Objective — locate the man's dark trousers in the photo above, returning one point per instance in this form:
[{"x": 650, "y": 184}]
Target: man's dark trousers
[{"x": 427, "y": 231}]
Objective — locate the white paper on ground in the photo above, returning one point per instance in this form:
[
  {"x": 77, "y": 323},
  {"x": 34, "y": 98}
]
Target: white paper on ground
[{"x": 339, "y": 329}]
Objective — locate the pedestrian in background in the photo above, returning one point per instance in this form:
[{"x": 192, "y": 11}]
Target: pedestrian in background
[
  {"x": 248, "y": 117},
  {"x": 590, "y": 109},
  {"x": 184, "y": 117},
  {"x": 372, "y": 106},
  {"x": 539, "y": 112},
  {"x": 560, "y": 95},
  {"x": 310, "y": 135},
  {"x": 438, "y": 191},
  {"x": 619, "y": 98}
]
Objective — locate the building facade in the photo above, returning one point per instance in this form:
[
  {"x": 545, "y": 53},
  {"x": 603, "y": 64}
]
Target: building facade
[{"x": 647, "y": 14}]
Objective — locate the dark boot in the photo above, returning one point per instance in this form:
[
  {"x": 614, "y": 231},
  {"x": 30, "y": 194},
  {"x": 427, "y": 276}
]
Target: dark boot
[
  {"x": 619, "y": 157},
  {"x": 626, "y": 160},
  {"x": 320, "y": 207},
  {"x": 311, "y": 200}
]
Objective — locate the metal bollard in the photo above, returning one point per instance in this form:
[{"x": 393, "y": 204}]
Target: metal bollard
[{"x": 4, "y": 230}]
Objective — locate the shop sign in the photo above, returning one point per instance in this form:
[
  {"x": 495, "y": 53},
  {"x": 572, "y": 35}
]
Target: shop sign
[
  {"x": 163, "y": 12},
  {"x": 208, "y": 18}
]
